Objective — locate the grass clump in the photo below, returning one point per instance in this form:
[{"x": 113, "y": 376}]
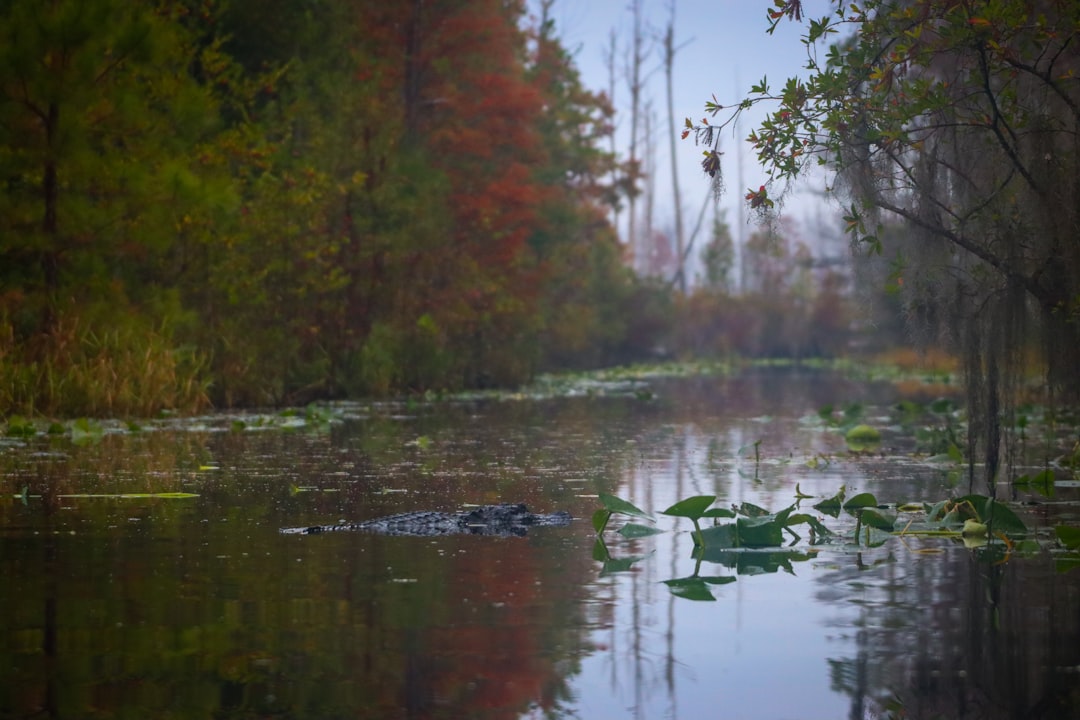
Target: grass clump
[{"x": 87, "y": 366}]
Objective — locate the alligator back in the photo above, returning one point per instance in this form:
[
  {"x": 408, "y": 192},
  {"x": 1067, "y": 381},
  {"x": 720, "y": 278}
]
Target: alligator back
[{"x": 503, "y": 519}]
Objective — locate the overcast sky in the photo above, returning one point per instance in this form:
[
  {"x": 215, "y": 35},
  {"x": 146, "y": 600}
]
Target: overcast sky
[{"x": 724, "y": 49}]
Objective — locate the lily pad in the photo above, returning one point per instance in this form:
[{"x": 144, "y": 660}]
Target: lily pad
[
  {"x": 133, "y": 496},
  {"x": 877, "y": 519},
  {"x": 996, "y": 514},
  {"x": 863, "y": 437},
  {"x": 1069, "y": 536}
]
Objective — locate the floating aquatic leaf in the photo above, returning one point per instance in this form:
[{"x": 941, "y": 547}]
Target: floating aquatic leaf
[
  {"x": 767, "y": 531},
  {"x": 718, "y": 512},
  {"x": 1042, "y": 483},
  {"x": 875, "y": 518},
  {"x": 861, "y": 500},
  {"x": 691, "y": 507},
  {"x": 18, "y": 426},
  {"x": 752, "y": 510},
  {"x": 751, "y": 561},
  {"x": 696, "y": 588},
  {"x": 622, "y": 507},
  {"x": 618, "y": 565},
  {"x": 600, "y": 520},
  {"x": 1069, "y": 536},
  {"x": 600, "y": 552},
  {"x": 720, "y": 536},
  {"x": 1046, "y": 477},
  {"x": 690, "y": 589},
  {"x": 1065, "y": 563},
  {"x": 995, "y": 514},
  {"x": 862, "y": 436},
  {"x": 973, "y": 529},
  {"x": 816, "y": 525},
  {"x": 832, "y": 505},
  {"x": 133, "y": 496},
  {"x": 875, "y": 537},
  {"x": 636, "y": 530},
  {"x": 934, "y": 512},
  {"x": 85, "y": 431}
]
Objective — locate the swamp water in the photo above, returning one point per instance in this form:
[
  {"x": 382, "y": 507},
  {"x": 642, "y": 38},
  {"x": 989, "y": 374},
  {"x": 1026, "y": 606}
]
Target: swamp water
[{"x": 121, "y": 605}]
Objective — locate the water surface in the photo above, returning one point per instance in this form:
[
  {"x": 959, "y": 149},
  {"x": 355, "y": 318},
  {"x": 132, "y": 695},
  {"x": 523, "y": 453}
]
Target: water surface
[{"x": 198, "y": 607}]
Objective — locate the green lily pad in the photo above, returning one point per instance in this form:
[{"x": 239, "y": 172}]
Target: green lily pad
[
  {"x": 1069, "y": 536},
  {"x": 863, "y": 437},
  {"x": 877, "y": 519},
  {"x": 133, "y": 496},
  {"x": 973, "y": 529},
  {"x": 996, "y": 514}
]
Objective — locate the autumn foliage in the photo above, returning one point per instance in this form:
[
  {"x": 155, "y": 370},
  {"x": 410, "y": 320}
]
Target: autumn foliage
[{"x": 278, "y": 201}]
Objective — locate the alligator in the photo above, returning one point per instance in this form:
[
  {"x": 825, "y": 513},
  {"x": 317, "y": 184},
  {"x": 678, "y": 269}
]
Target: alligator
[{"x": 504, "y": 519}]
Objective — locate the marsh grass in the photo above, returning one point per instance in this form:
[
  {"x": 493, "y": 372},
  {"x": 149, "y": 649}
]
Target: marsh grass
[{"x": 121, "y": 367}]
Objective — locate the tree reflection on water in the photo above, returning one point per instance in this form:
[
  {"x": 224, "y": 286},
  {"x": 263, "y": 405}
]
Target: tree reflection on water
[{"x": 198, "y": 607}]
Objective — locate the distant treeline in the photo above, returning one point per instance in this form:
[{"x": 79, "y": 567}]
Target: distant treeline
[{"x": 272, "y": 201}]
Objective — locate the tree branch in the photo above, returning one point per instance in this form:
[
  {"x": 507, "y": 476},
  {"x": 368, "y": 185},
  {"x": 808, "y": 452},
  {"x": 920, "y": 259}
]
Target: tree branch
[
  {"x": 965, "y": 243},
  {"x": 999, "y": 121}
]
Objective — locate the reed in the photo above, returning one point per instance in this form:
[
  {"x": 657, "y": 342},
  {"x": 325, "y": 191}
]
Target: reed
[{"x": 124, "y": 368}]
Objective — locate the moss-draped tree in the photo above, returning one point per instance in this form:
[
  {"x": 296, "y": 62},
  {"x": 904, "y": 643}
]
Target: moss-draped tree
[{"x": 958, "y": 120}]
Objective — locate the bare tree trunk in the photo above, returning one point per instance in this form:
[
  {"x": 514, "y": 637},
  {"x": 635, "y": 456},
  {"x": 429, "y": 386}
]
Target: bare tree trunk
[
  {"x": 615, "y": 180},
  {"x": 669, "y": 64},
  {"x": 635, "y": 83},
  {"x": 651, "y": 255},
  {"x": 740, "y": 206}
]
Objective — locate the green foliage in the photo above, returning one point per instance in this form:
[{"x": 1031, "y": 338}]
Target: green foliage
[
  {"x": 976, "y": 518},
  {"x": 270, "y": 219},
  {"x": 862, "y": 436},
  {"x": 615, "y": 506},
  {"x": 949, "y": 131},
  {"x": 103, "y": 361}
]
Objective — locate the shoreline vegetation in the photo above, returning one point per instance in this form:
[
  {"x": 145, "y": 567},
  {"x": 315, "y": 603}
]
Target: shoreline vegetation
[
  {"x": 217, "y": 205},
  {"x": 928, "y": 376}
]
